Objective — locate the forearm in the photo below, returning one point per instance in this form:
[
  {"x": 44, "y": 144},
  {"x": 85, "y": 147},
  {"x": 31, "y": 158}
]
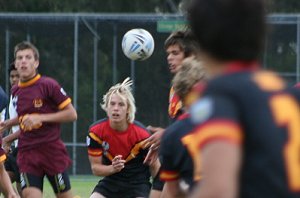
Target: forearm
[
  {"x": 66, "y": 115},
  {"x": 100, "y": 169},
  {"x": 103, "y": 170},
  {"x": 11, "y": 122},
  {"x": 11, "y": 137},
  {"x": 7, "y": 124},
  {"x": 155, "y": 168}
]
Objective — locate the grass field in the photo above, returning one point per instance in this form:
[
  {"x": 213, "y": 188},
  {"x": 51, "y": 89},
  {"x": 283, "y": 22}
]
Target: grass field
[{"x": 82, "y": 186}]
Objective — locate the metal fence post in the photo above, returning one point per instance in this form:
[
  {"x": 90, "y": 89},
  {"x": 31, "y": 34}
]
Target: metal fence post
[{"x": 75, "y": 82}]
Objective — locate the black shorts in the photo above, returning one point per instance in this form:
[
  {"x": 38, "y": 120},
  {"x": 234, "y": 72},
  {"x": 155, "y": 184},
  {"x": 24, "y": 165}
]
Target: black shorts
[
  {"x": 11, "y": 164},
  {"x": 117, "y": 189},
  {"x": 60, "y": 182}
]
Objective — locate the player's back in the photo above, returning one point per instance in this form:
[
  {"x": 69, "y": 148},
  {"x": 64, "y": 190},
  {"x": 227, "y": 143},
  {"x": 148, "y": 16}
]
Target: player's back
[{"x": 268, "y": 118}]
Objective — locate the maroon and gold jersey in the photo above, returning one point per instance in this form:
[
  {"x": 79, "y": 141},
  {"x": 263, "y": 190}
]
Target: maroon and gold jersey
[
  {"x": 256, "y": 110},
  {"x": 39, "y": 95},
  {"x": 108, "y": 143},
  {"x": 175, "y": 104}
]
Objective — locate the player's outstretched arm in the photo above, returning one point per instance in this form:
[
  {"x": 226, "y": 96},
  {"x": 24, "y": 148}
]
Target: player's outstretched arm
[{"x": 99, "y": 169}]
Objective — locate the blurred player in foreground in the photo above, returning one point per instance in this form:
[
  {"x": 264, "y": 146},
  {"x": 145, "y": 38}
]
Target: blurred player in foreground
[
  {"x": 181, "y": 169},
  {"x": 42, "y": 105},
  {"x": 10, "y": 142},
  {"x": 248, "y": 122},
  {"x": 116, "y": 148},
  {"x": 5, "y": 183}
]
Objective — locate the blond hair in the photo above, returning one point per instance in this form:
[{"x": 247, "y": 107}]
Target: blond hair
[
  {"x": 123, "y": 90},
  {"x": 190, "y": 73}
]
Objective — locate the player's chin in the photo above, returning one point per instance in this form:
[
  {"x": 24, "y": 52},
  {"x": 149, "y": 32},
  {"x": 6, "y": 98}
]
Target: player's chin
[{"x": 116, "y": 120}]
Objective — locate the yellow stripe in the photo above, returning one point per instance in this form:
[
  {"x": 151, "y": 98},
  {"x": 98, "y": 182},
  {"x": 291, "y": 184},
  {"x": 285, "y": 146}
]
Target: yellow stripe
[
  {"x": 95, "y": 137},
  {"x": 135, "y": 150},
  {"x": 64, "y": 103},
  {"x": 2, "y": 158},
  {"x": 94, "y": 153},
  {"x": 167, "y": 175},
  {"x": 221, "y": 130},
  {"x": 30, "y": 82}
]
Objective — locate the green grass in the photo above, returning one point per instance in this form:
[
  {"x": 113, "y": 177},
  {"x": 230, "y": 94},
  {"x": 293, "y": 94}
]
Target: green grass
[{"x": 82, "y": 186}]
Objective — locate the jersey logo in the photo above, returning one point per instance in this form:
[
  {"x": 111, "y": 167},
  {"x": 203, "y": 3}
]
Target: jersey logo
[
  {"x": 88, "y": 140},
  {"x": 63, "y": 91},
  {"x": 201, "y": 110},
  {"x": 37, "y": 103},
  {"x": 105, "y": 146}
]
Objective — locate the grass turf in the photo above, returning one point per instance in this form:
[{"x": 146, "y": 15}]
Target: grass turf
[{"x": 82, "y": 186}]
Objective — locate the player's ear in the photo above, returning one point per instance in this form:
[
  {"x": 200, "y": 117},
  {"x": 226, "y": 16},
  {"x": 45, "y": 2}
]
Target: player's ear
[{"x": 36, "y": 64}]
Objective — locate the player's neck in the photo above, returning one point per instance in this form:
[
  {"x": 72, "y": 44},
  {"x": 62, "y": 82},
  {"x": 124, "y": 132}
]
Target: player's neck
[
  {"x": 213, "y": 66},
  {"x": 28, "y": 78},
  {"x": 119, "y": 126}
]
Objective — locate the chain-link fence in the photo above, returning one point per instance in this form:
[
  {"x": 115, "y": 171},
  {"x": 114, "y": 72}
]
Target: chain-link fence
[{"x": 83, "y": 53}]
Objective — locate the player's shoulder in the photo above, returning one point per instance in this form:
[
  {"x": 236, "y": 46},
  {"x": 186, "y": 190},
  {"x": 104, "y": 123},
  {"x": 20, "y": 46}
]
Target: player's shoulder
[
  {"x": 247, "y": 81},
  {"x": 229, "y": 82},
  {"x": 140, "y": 126},
  {"x": 98, "y": 124},
  {"x": 13, "y": 89},
  {"x": 47, "y": 80}
]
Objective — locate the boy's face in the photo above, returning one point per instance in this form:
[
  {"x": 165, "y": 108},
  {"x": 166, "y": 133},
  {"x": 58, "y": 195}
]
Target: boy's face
[
  {"x": 26, "y": 64},
  {"x": 14, "y": 77},
  {"x": 175, "y": 56},
  {"x": 117, "y": 109}
]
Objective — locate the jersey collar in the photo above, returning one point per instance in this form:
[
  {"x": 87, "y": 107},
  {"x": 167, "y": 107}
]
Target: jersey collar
[
  {"x": 29, "y": 82},
  {"x": 238, "y": 66}
]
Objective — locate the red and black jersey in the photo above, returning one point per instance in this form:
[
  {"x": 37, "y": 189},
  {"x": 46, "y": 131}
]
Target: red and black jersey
[
  {"x": 254, "y": 109},
  {"x": 108, "y": 143},
  {"x": 175, "y": 105},
  {"x": 178, "y": 155},
  {"x": 39, "y": 95}
]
